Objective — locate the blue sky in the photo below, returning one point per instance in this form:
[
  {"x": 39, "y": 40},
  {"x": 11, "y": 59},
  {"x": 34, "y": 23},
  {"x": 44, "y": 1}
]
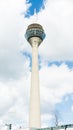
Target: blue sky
[
  {"x": 55, "y": 61},
  {"x": 65, "y": 110},
  {"x": 35, "y": 5}
]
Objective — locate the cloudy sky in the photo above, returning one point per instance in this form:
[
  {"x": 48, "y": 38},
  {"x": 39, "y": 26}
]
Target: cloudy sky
[{"x": 55, "y": 61}]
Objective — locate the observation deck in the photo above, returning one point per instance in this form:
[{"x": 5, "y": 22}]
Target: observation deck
[{"x": 35, "y": 30}]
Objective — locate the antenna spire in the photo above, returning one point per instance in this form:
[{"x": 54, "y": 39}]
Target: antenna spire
[{"x": 35, "y": 15}]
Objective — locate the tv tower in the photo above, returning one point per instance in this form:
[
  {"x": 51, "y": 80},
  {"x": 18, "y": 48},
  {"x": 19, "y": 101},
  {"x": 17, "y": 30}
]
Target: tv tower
[{"x": 35, "y": 35}]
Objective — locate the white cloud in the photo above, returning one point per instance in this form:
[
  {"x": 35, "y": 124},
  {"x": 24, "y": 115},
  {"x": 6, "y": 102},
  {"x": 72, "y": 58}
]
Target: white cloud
[
  {"x": 57, "y": 82},
  {"x": 57, "y": 25},
  {"x": 72, "y": 108},
  {"x": 11, "y": 26},
  {"x": 46, "y": 119},
  {"x": 14, "y": 95},
  {"x": 58, "y": 44},
  {"x": 14, "y": 100},
  {"x": 57, "y": 21}
]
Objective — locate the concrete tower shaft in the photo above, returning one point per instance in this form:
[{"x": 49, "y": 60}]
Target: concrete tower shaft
[{"x": 35, "y": 35}]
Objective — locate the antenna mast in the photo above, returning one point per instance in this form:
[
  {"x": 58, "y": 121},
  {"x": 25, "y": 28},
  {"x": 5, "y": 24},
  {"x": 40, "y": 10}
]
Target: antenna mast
[{"x": 35, "y": 15}]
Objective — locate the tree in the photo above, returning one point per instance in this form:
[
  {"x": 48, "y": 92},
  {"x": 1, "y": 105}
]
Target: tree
[{"x": 57, "y": 118}]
